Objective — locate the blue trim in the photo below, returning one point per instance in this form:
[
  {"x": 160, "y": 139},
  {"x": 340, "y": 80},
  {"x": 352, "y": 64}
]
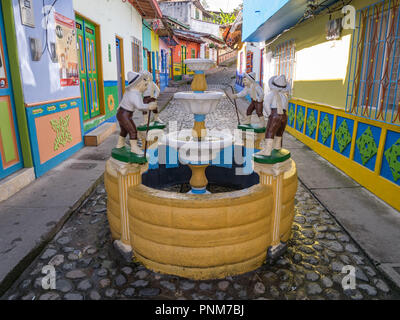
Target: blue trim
[
  {"x": 41, "y": 169},
  {"x": 199, "y": 72},
  {"x": 199, "y": 117},
  {"x": 111, "y": 83},
  {"x": 199, "y": 191}
]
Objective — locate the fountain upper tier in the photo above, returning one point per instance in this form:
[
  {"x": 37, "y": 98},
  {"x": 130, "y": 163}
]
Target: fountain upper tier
[
  {"x": 199, "y": 64},
  {"x": 200, "y": 103}
]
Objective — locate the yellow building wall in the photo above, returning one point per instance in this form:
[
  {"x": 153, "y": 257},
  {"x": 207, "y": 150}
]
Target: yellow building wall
[
  {"x": 321, "y": 66},
  {"x": 155, "y": 46}
]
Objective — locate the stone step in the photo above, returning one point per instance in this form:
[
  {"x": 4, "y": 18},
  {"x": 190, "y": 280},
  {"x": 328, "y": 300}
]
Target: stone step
[
  {"x": 97, "y": 136},
  {"x": 16, "y": 182}
]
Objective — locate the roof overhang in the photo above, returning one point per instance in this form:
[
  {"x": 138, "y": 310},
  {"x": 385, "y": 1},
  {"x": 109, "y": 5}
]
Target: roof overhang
[
  {"x": 279, "y": 17},
  {"x": 148, "y": 9}
]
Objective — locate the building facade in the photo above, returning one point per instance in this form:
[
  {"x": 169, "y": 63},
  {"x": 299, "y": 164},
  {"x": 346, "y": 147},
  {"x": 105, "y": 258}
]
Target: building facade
[
  {"x": 63, "y": 67},
  {"x": 344, "y": 75},
  {"x": 116, "y": 40}
]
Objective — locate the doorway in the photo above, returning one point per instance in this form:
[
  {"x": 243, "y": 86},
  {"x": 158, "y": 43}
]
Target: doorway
[
  {"x": 88, "y": 68},
  {"x": 183, "y": 55},
  {"x": 120, "y": 67}
]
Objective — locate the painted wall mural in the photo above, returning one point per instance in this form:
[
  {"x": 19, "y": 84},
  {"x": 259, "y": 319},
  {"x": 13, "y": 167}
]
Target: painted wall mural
[
  {"x": 66, "y": 50},
  {"x": 46, "y": 60},
  {"x": 368, "y": 151}
]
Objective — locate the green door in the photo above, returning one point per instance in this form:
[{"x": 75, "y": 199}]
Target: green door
[
  {"x": 183, "y": 55},
  {"x": 88, "y": 72}
]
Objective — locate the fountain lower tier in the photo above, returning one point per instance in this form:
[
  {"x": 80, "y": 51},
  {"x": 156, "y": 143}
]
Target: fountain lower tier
[{"x": 201, "y": 237}]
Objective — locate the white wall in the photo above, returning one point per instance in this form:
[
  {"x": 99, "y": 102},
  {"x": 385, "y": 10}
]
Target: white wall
[
  {"x": 115, "y": 18},
  {"x": 180, "y": 11},
  {"x": 206, "y": 27}
]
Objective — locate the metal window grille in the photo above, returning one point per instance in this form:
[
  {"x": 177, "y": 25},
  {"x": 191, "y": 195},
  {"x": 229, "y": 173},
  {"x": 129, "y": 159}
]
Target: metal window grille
[
  {"x": 285, "y": 59},
  {"x": 373, "y": 89},
  {"x": 136, "y": 56}
]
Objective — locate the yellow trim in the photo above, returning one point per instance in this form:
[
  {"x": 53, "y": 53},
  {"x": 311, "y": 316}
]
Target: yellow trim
[
  {"x": 37, "y": 111},
  {"x": 371, "y": 180},
  {"x": 381, "y": 150}
]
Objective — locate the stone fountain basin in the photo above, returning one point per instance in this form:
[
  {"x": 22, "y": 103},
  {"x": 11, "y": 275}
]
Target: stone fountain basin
[
  {"x": 199, "y": 64},
  {"x": 198, "y": 152},
  {"x": 199, "y": 103},
  {"x": 200, "y": 236}
]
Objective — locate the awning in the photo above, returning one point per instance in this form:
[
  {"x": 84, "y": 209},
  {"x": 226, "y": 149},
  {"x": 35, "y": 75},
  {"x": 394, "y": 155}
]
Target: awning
[
  {"x": 148, "y": 9},
  {"x": 279, "y": 16}
]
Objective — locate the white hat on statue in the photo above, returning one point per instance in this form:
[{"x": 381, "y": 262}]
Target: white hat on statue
[
  {"x": 136, "y": 77},
  {"x": 279, "y": 83},
  {"x": 251, "y": 76}
]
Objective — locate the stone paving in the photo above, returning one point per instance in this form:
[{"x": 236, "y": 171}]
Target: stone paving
[{"x": 88, "y": 267}]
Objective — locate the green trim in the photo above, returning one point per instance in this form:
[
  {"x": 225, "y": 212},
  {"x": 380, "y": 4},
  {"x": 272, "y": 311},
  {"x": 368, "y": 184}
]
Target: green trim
[
  {"x": 153, "y": 126},
  {"x": 277, "y": 156},
  {"x": 249, "y": 127},
  {"x": 126, "y": 156},
  {"x": 11, "y": 40}
]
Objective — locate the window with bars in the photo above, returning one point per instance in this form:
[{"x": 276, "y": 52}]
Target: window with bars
[
  {"x": 374, "y": 90},
  {"x": 249, "y": 62},
  {"x": 285, "y": 60},
  {"x": 136, "y": 56}
]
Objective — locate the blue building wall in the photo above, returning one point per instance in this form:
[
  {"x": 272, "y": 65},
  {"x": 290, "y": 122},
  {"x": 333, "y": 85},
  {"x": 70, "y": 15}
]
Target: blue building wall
[
  {"x": 146, "y": 37},
  {"x": 255, "y": 13}
]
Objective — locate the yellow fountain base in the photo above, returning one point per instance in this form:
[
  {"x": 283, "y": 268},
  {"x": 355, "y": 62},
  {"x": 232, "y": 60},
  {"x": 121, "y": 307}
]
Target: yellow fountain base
[{"x": 202, "y": 236}]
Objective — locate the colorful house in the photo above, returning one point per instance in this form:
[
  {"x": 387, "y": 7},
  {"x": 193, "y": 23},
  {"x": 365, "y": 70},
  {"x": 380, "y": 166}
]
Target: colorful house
[
  {"x": 109, "y": 46},
  {"x": 62, "y": 74},
  {"x": 343, "y": 66}
]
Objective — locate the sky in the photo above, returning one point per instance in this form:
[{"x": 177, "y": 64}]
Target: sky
[{"x": 225, "y": 5}]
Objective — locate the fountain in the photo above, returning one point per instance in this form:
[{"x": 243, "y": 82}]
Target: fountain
[
  {"x": 200, "y": 235},
  {"x": 196, "y": 147}
]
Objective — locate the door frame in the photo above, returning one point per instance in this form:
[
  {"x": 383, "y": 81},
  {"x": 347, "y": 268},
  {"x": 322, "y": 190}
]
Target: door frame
[
  {"x": 16, "y": 82},
  {"x": 99, "y": 62},
  {"x": 122, "y": 59}
]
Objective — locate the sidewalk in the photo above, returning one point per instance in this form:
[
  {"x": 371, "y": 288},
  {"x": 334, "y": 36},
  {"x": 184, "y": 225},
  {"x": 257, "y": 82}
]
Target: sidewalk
[
  {"x": 373, "y": 225},
  {"x": 31, "y": 218}
]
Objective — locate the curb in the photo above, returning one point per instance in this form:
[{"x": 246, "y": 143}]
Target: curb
[{"x": 16, "y": 272}]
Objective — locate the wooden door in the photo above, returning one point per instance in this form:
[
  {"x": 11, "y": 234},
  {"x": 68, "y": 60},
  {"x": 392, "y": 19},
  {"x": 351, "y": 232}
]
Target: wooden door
[{"x": 88, "y": 69}]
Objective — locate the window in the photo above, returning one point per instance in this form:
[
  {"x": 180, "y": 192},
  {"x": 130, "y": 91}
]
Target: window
[
  {"x": 241, "y": 63},
  {"x": 262, "y": 68},
  {"x": 285, "y": 60},
  {"x": 136, "y": 56},
  {"x": 193, "y": 53},
  {"x": 249, "y": 62},
  {"x": 197, "y": 14},
  {"x": 373, "y": 90}
]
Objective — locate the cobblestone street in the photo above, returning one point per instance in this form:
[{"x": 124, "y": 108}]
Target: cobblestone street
[{"x": 89, "y": 268}]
